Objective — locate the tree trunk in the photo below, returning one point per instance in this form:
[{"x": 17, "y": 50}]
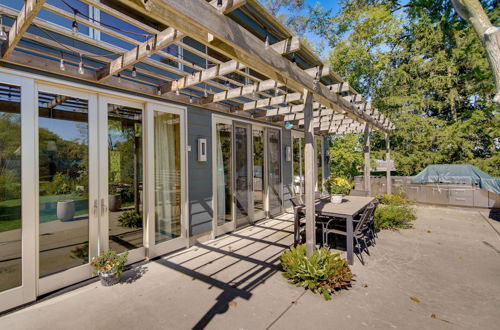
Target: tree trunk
[{"x": 473, "y": 12}]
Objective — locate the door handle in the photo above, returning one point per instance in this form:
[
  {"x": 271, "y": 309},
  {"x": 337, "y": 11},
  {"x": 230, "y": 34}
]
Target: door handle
[
  {"x": 103, "y": 206},
  {"x": 95, "y": 207}
]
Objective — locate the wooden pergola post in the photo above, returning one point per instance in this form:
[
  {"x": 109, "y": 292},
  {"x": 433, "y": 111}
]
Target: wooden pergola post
[
  {"x": 388, "y": 165},
  {"x": 310, "y": 178},
  {"x": 366, "y": 151}
]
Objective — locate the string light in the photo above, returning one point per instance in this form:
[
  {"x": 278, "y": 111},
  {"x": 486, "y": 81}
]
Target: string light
[
  {"x": 80, "y": 66},
  {"x": 62, "y": 67},
  {"x": 158, "y": 91},
  {"x": 3, "y": 35},
  {"x": 219, "y": 4},
  {"x": 74, "y": 25},
  {"x": 276, "y": 92},
  {"x": 148, "y": 47},
  {"x": 266, "y": 43},
  {"x": 177, "y": 92},
  {"x": 205, "y": 94},
  {"x": 119, "y": 77},
  {"x": 134, "y": 72},
  {"x": 254, "y": 90},
  {"x": 190, "y": 99}
]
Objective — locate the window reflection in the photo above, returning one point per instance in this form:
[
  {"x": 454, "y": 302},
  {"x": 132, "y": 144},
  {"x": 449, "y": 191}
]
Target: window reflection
[
  {"x": 10, "y": 187},
  {"x": 63, "y": 138}
]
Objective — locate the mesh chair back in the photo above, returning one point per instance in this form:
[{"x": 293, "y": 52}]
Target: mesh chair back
[{"x": 365, "y": 217}]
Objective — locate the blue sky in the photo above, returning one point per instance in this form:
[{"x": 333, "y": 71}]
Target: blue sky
[{"x": 325, "y": 4}]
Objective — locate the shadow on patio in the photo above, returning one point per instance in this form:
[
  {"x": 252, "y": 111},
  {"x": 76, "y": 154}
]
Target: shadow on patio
[{"x": 236, "y": 263}]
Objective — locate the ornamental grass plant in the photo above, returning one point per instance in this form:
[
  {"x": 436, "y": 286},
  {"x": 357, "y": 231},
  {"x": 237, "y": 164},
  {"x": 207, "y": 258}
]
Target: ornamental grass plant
[{"x": 323, "y": 272}]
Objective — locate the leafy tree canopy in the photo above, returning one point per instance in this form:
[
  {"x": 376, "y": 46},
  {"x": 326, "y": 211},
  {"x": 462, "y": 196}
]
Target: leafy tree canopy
[{"x": 425, "y": 68}]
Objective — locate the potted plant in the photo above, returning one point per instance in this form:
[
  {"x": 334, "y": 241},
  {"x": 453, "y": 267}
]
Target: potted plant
[
  {"x": 337, "y": 188},
  {"x": 109, "y": 266}
]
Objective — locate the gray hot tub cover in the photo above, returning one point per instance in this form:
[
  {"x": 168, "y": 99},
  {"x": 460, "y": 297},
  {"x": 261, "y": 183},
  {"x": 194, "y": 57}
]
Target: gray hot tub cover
[{"x": 458, "y": 173}]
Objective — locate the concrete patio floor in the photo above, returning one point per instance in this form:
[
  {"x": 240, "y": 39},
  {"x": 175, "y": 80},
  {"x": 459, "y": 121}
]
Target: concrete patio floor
[{"x": 449, "y": 263}]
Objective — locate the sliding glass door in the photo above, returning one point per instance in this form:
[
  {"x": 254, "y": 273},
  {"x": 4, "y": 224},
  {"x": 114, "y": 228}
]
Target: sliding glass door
[
  {"x": 223, "y": 178},
  {"x": 67, "y": 186},
  {"x": 121, "y": 154},
  {"x": 242, "y": 175},
  {"x": 17, "y": 193},
  {"x": 259, "y": 168},
  {"x": 274, "y": 171},
  {"x": 166, "y": 177}
]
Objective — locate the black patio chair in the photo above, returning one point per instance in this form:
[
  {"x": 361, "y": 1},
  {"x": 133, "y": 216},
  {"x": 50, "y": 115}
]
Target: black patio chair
[{"x": 360, "y": 230}]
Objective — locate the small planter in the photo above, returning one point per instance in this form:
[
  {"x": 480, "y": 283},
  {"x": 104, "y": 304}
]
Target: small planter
[
  {"x": 336, "y": 199},
  {"x": 108, "y": 278},
  {"x": 115, "y": 202},
  {"x": 65, "y": 210}
]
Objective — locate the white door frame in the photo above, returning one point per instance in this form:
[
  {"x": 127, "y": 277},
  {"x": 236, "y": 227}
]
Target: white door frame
[
  {"x": 260, "y": 214},
  {"x": 82, "y": 272},
  {"x": 27, "y": 291},
  {"x": 230, "y": 226},
  {"x": 182, "y": 241},
  {"x": 137, "y": 254}
]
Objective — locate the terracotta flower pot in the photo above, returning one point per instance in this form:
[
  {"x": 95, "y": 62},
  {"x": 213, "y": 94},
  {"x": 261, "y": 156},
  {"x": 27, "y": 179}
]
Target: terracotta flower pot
[{"x": 65, "y": 210}]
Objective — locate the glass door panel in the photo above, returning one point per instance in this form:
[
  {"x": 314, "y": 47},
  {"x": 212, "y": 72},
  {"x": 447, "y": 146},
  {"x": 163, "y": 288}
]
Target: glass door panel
[
  {"x": 167, "y": 176},
  {"x": 258, "y": 173},
  {"x": 125, "y": 177},
  {"x": 319, "y": 165},
  {"x": 242, "y": 174},
  {"x": 274, "y": 168},
  {"x": 10, "y": 188},
  {"x": 223, "y": 178},
  {"x": 165, "y": 181},
  {"x": 63, "y": 157},
  {"x": 298, "y": 175}
]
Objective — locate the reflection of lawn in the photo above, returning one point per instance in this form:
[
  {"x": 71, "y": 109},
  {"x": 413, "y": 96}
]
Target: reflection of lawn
[{"x": 48, "y": 209}]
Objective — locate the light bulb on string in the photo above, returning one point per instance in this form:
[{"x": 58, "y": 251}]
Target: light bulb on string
[
  {"x": 219, "y": 4},
  {"x": 266, "y": 42},
  {"x": 3, "y": 35},
  {"x": 190, "y": 99},
  {"x": 134, "y": 72},
  {"x": 177, "y": 92},
  {"x": 119, "y": 77},
  {"x": 205, "y": 94},
  {"x": 80, "y": 66},
  {"x": 74, "y": 25},
  {"x": 62, "y": 67}
]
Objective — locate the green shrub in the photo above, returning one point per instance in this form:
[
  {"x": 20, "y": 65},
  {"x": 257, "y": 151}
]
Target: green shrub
[
  {"x": 130, "y": 219},
  {"x": 394, "y": 199},
  {"x": 393, "y": 217},
  {"x": 323, "y": 272}
]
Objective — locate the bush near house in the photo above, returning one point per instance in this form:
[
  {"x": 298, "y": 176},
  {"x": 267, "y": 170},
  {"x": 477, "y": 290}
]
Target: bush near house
[
  {"x": 130, "y": 219},
  {"x": 395, "y": 212},
  {"x": 323, "y": 272}
]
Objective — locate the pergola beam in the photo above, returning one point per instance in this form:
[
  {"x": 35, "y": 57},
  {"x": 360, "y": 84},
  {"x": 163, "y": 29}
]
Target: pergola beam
[
  {"x": 26, "y": 15},
  {"x": 282, "y": 47},
  {"x": 229, "y": 5},
  {"x": 139, "y": 53},
  {"x": 230, "y": 39}
]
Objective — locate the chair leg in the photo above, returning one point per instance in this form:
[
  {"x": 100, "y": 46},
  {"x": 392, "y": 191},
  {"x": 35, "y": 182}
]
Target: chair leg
[{"x": 360, "y": 252}]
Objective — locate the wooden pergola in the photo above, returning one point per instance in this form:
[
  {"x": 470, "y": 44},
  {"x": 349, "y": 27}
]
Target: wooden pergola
[{"x": 250, "y": 65}]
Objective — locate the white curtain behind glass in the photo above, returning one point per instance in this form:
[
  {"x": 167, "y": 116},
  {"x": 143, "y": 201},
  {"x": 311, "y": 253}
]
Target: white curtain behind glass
[{"x": 166, "y": 173}]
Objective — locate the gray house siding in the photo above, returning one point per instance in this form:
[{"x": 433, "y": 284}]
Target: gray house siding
[{"x": 199, "y": 125}]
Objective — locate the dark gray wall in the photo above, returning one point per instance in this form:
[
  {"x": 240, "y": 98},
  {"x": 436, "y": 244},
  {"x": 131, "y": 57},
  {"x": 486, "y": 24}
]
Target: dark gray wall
[{"x": 199, "y": 125}]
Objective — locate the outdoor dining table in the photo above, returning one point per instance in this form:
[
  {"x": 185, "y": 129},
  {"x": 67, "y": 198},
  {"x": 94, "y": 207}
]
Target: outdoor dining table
[{"x": 350, "y": 207}]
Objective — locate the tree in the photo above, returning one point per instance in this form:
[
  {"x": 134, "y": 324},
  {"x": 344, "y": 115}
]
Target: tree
[
  {"x": 346, "y": 158},
  {"x": 473, "y": 12}
]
